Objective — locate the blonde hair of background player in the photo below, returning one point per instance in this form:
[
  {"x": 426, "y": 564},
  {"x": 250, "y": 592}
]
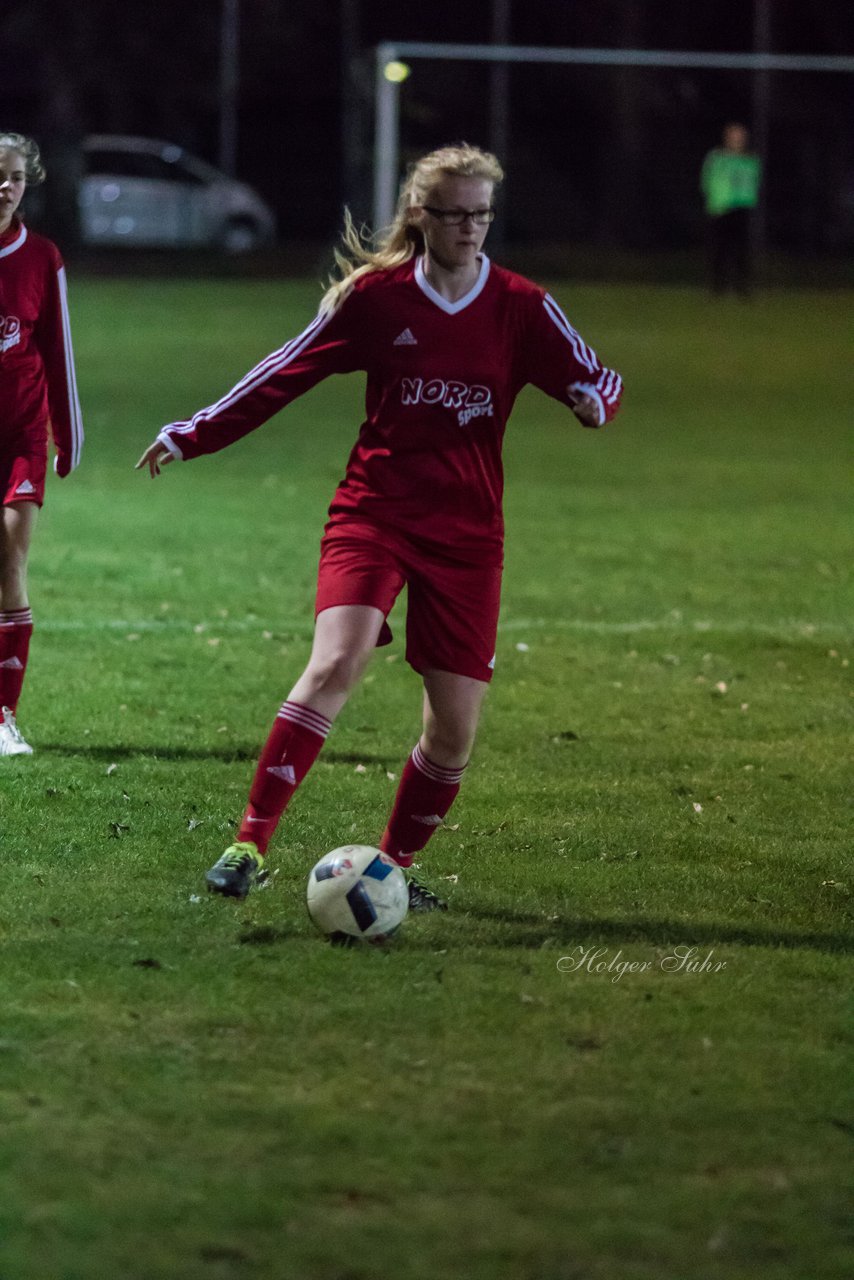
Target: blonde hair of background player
[
  {"x": 28, "y": 150},
  {"x": 402, "y": 240}
]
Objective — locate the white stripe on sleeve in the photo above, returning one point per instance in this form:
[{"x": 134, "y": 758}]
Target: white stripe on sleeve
[
  {"x": 271, "y": 364},
  {"x": 610, "y": 384},
  {"x": 583, "y": 354},
  {"x": 74, "y": 414}
]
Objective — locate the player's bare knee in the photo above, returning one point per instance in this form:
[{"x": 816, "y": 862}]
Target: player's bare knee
[
  {"x": 448, "y": 745},
  {"x": 337, "y": 672}
]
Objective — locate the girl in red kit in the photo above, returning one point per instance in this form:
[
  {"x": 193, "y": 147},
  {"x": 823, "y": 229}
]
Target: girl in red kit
[
  {"x": 38, "y": 393},
  {"x": 447, "y": 341}
]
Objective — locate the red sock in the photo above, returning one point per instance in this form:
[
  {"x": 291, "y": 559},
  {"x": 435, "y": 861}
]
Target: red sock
[
  {"x": 16, "y": 627},
  {"x": 294, "y": 743},
  {"x": 424, "y": 796}
]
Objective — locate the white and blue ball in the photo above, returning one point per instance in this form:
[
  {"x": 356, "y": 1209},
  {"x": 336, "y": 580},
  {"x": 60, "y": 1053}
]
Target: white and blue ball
[{"x": 359, "y": 891}]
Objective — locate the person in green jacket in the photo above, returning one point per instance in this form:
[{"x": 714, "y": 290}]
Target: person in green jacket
[{"x": 730, "y": 181}]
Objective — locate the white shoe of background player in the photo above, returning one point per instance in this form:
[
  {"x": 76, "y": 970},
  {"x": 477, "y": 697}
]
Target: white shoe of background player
[{"x": 12, "y": 742}]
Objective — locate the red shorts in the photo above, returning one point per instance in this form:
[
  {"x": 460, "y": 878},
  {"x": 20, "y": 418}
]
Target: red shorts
[
  {"x": 452, "y": 606},
  {"x": 22, "y": 476}
]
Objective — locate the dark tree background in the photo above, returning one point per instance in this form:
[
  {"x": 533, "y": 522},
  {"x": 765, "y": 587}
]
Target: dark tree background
[{"x": 608, "y": 156}]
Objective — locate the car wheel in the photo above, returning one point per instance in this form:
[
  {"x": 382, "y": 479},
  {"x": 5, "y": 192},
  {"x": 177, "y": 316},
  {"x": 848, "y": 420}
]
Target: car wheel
[{"x": 240, "y": 236}]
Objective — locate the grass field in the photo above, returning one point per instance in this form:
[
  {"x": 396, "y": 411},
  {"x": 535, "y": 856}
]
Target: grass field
[{"x": 193, "y": 1088}]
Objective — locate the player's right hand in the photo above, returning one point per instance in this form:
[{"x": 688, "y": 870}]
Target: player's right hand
[
  {"x": 584, "y": 407},
  {"x": 155, "y": 457}
]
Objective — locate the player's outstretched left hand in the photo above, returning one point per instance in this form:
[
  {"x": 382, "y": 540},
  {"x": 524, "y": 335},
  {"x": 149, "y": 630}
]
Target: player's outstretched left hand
[
  {"x": 585, "y": 408},
  {"x": 155, "y": 457}
]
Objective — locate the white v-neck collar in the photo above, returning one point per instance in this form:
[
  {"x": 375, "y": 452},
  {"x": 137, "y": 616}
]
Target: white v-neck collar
[
  {"x": 460, "y": 305},
  {"x": 16, "y": 243}
]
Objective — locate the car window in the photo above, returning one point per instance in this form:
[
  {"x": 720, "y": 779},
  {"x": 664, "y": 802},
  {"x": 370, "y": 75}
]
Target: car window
[{"x": 138, "y": 164}]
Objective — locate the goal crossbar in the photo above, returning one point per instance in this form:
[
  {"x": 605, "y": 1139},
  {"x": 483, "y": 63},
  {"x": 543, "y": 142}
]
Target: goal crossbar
[{"x": 387, "y": 91}]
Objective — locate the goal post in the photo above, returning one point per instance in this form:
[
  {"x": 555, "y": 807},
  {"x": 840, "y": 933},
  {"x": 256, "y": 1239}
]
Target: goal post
[{"x": 387, "y": 88}]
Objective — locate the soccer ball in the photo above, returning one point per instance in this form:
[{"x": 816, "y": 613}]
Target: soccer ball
[{"x": 357, "y": 891}]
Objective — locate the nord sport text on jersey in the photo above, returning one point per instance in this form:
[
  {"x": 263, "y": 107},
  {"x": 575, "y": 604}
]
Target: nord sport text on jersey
[{"x": 470, "y": 401}]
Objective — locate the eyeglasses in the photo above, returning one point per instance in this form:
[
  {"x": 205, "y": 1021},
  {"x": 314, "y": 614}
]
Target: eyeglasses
[{"x": 456, "y": 217}]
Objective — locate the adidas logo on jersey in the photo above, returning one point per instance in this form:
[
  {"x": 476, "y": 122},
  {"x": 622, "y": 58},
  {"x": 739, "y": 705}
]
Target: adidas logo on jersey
[
  {"x": 283, "y": 771},
  {"x": 26, "y": 486},
  {"x": 12, "y": 664},
  {"x": 405, "y": 339}
]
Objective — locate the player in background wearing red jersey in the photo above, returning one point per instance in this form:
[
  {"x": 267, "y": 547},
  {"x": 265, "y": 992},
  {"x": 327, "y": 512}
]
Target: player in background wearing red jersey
[
  {"x": 38, "y": 393},
  {"x": 447, "y": 340}
]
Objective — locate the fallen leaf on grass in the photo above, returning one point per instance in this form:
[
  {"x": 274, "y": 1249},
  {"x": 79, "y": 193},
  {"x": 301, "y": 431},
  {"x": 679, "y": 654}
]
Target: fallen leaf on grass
[
  {"x": 111, "y": 769},
  {"x": 491, "y": 831},
  {"x": 838, "y": 885},
  {"x": 117, "y": 829},
  {"x": 194, "y": 822}
]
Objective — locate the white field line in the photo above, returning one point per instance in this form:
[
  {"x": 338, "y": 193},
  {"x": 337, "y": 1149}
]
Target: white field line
[{"x": 785, "y": 627}]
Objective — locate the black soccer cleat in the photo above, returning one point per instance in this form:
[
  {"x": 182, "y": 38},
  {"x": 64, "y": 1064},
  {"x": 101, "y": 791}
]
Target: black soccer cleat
[
  {"x": 423, "y": 899},
  {"x": 235, "y": 873}
]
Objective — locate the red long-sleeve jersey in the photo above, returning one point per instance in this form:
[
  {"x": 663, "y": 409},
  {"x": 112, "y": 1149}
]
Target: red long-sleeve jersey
[
  {"x": 441, "y": 381},
  {"x": 38, "y": 386}
]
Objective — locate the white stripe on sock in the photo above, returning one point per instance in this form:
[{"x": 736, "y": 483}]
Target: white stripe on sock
[
  {"x": 306, "y": 717},
  {"x": 433, "y": 771}
]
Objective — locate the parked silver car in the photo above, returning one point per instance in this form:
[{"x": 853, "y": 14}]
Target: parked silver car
[{"x": 142, "y": 192}]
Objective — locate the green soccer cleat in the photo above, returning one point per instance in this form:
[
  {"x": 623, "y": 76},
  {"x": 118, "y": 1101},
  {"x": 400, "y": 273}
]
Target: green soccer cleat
[
  {"x": 236, "y": 870},
  {"x": 423, "y": 899}
]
